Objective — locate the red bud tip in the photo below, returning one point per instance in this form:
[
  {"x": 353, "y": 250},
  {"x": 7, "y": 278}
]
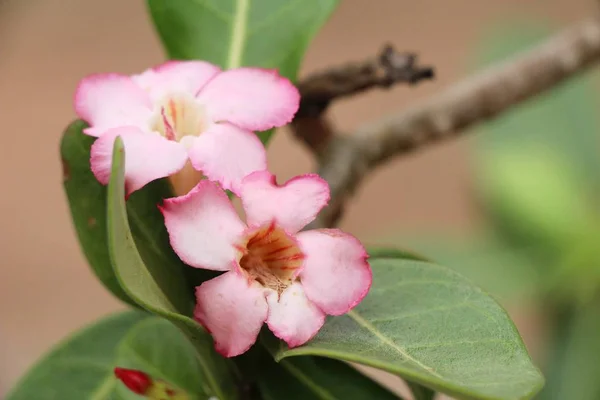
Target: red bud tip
[{"x": 136, "y": 381}]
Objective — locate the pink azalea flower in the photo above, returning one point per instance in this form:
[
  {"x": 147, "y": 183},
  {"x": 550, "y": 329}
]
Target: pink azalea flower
[
  {"x": 180, "y": 111},
  {"x": 275, "y": 274}
]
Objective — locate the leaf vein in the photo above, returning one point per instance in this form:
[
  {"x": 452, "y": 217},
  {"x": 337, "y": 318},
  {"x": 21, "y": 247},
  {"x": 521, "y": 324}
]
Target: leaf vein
[
  {"x": 238, "y": 34},
  {"x": 419, "y": 313},
  {"x": 365, "y": 324},
  {"x": 421, "y": 282}
]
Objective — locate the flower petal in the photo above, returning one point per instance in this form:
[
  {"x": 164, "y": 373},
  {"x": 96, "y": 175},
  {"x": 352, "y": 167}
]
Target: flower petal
[
  {"x": 252, "y": 98},
  {"x": 227, "y": 154},
  {"x": 293, "y": 205},
  {"x": 147, "y": 157},
  {"x": 111, "y": 100},
  {"x": 203, "y": 227},
  {"x": 293, "y": 318},
  {"x": 233, "y": 310},
  {"x": 336, "y": 275},
  {"x": 176, "y": 77}
]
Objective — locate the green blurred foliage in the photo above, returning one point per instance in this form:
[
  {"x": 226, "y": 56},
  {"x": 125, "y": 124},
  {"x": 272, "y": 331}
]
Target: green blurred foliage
[
  {"x": 537, "y": 181},
  {"x": 537, "y": 174}
]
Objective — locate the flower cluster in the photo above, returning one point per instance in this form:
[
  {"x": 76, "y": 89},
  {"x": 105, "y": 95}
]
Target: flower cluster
[{"x": 189, "y": 120}]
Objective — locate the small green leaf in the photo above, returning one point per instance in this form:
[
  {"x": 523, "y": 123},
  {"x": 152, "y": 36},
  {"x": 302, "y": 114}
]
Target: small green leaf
[
  {"x": 234, "y": 33},
  {"x": 143, "y": 287},
  {"x": 81, "y": 366},
  {"x": 430, "y": 326}
]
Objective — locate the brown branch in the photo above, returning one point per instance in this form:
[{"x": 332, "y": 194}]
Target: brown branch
[
  {"x": 320, "y": 89},
  {"x": 345, "y": 160},
  {"x": 388, "y": 68}
]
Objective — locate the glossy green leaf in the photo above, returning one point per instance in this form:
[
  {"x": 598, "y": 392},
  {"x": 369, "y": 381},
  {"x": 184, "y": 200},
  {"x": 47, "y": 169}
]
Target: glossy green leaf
[
  {"x": 318, "y": 378},
  {"x": 234, "y": 33},
  {"x": 431, "y": 326},
  {"x": 145, "y": 288},
  {"x": 301, "y": 378},
  {"x": 87, "y": 202}
]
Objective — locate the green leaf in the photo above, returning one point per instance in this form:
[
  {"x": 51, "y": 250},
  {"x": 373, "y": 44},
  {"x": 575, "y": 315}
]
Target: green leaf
[
  {"x": 306, "y": 377},
  {"x": 234, "y": 33},
  {"x": 155, "y": 295},
  {"x": 431, "y": 326},
  {"x": 318, "y": 378},
  {"x": 81, "y": 366},
  {"x": 87, "y": 202}
]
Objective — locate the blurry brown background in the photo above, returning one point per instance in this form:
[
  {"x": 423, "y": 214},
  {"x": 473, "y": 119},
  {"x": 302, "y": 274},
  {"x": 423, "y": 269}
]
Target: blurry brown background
[{"x": 46, "y": 46}]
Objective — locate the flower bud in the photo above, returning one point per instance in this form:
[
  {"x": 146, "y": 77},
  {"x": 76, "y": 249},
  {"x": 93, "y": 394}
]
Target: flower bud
[{"x": 136, "y": 381}]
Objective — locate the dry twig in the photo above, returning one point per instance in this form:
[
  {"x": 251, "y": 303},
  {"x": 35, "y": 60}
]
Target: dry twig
[
  {"x": 345, "y": 160},
  {"x": 320, "y": 89}
]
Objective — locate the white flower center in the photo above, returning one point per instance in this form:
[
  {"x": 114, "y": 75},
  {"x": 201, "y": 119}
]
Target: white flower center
[
  {"x": 180, "y": 116},
  {"x": 270, "y": 257}
]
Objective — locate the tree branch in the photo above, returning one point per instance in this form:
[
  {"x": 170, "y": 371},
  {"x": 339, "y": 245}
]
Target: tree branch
[
  {"x": 345, "y": 160},
  {"x": 320, "y": 89},
  {"x": 388, "y": 68}
]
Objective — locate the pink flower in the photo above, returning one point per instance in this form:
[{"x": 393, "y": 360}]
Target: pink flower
[
  {"x": 180, "y": 111},
  {"x": 275, "y": 274}
]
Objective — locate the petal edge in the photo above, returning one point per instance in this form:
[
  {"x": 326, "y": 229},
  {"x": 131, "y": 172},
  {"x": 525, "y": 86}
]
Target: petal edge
[
  {"x": 293, "y": 205},
  {"x": 252, "y": 98},
  {"x": 203, "y": 227},
  {"x": 293, "y": 318},
  {"x": 336, "y": 275},
  {"x": 232, "y": 310}
]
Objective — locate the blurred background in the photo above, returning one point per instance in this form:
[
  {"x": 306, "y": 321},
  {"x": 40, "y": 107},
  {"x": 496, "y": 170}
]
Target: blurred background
[{"x": 514, "y": 207}]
